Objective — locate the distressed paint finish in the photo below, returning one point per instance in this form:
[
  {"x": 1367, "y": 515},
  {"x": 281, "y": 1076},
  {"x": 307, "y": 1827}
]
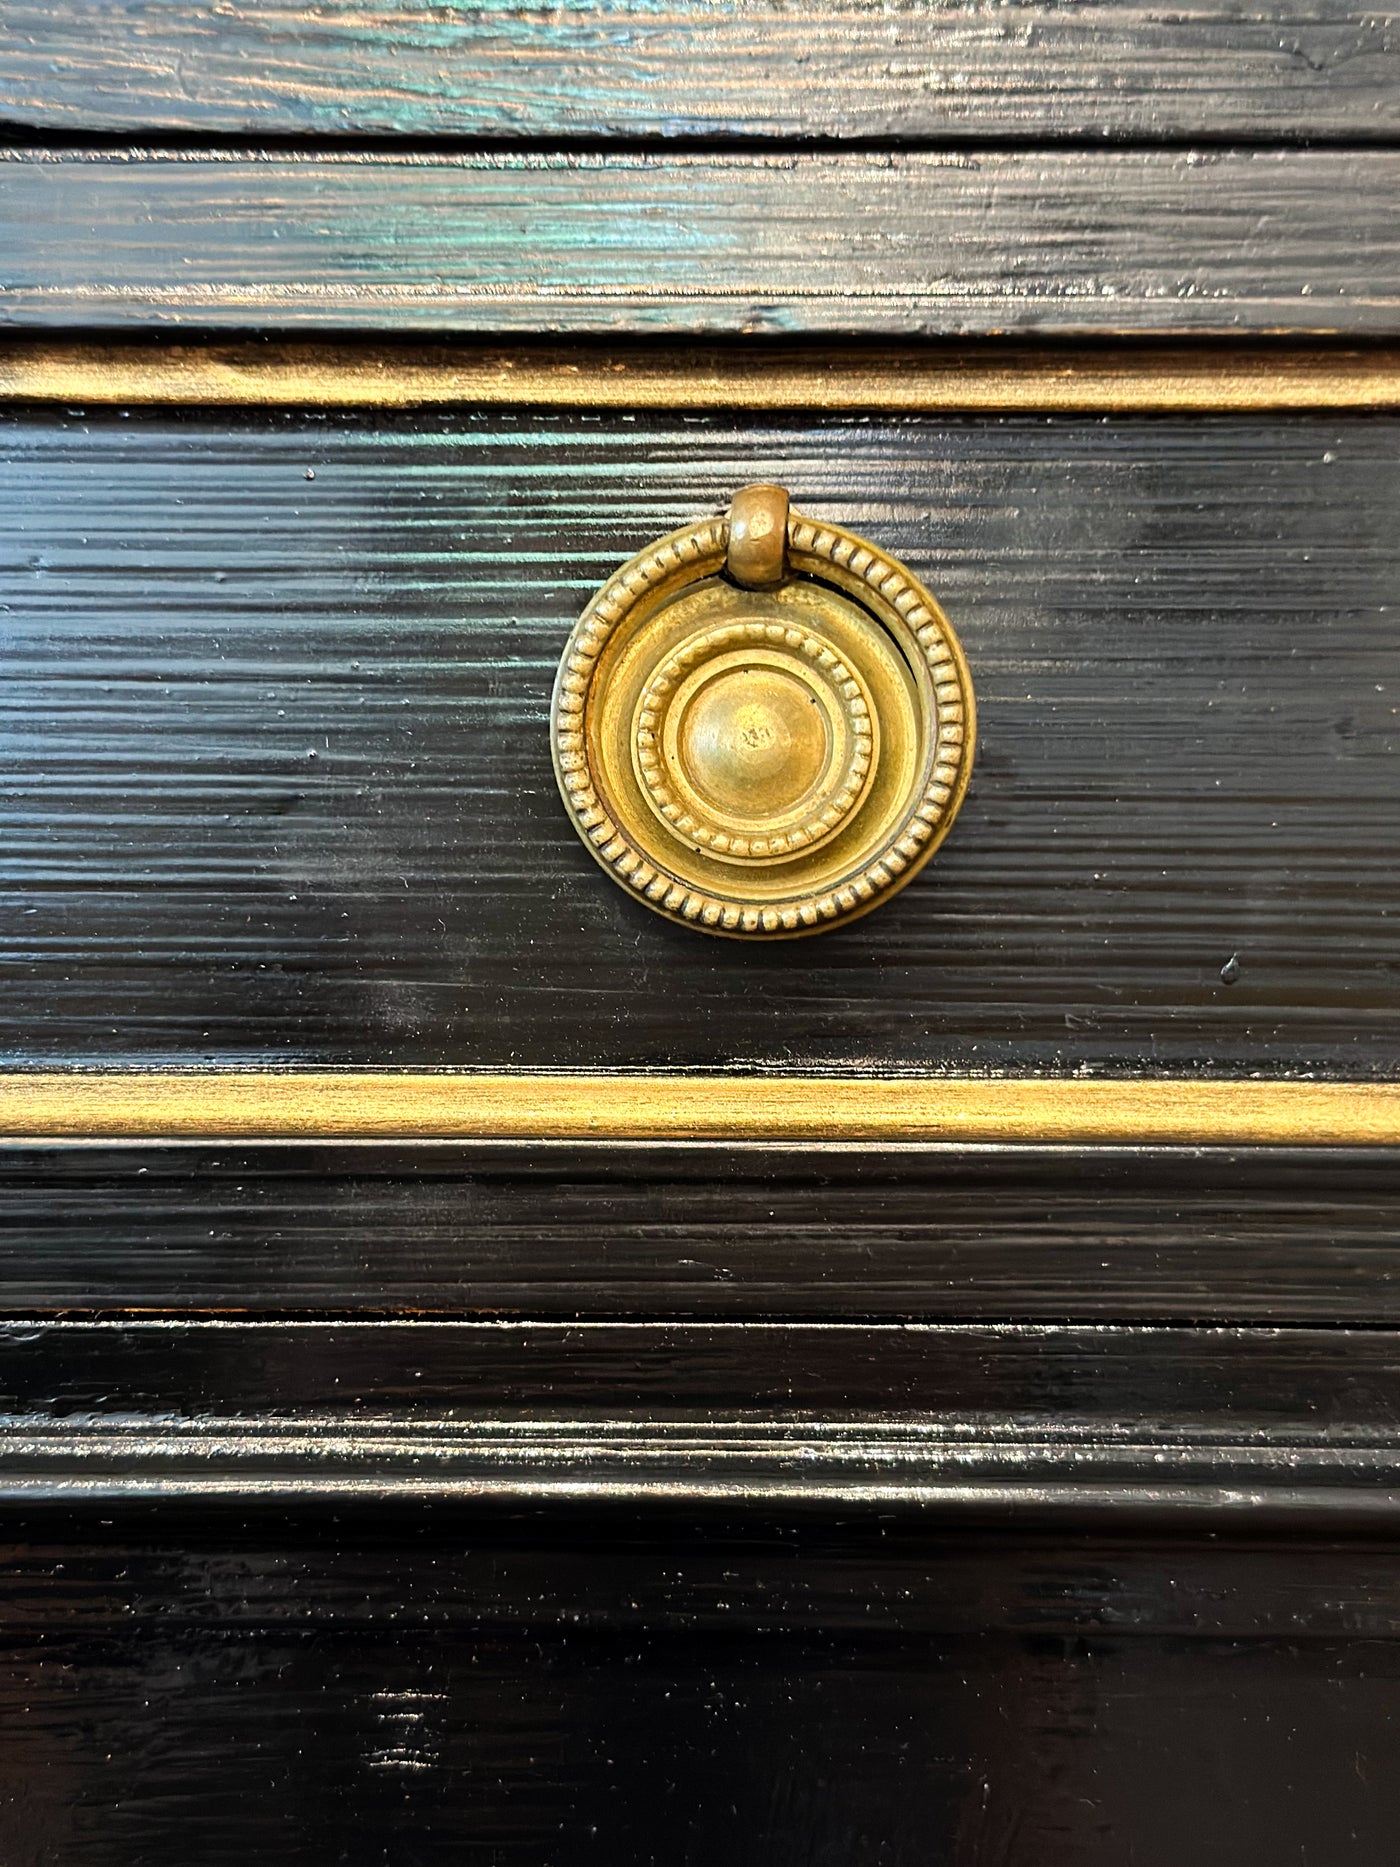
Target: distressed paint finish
[
  {"x": 727, "y": 1232},
  {"x": 664, "y": 68},
  {"x": 959, "y": 1470},
  {"x": 540, "y": 1592},
  {"x": 1064, "y": 243},
  {"x": 277, "y": 775}
]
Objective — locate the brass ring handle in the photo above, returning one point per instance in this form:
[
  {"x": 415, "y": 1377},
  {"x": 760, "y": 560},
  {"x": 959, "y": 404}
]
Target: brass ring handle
[{"x": 762, "y": 725}]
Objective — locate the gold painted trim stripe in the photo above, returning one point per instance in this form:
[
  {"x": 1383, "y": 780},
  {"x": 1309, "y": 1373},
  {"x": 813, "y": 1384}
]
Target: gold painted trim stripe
[
  {"x": 990, "y": 379},
  {"x": 301, "y": 1105}
]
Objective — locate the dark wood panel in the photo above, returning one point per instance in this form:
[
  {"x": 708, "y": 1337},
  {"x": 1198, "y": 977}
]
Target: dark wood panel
[
  {"x": 277, "y": 786},
  {"x": 1069, "y": 242},
  {"x": 1268, "y": 1235},
  {"x": 371, "y": 1707},
  {"x": 622, "y": 67}
]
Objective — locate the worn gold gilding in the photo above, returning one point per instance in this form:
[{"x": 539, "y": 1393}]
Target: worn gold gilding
[
  {"x": 988, "y": 378},
  {"x": 302, "y": 1105}
]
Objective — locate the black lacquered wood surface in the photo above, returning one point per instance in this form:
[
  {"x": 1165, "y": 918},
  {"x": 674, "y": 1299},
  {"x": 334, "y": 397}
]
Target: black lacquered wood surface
[
  {"x": 1090, "y": 242},
  {"x": 1091, "y": 1424},
  {"x": 1118, "y": 1547},
  {"x": 277, "y": 786},
  {"x": 426, "y": 1693},
  {"x": 727, "y": 1233},
  {"x": 633, "y": 1505},
  {"x": 821, "y": 68}
]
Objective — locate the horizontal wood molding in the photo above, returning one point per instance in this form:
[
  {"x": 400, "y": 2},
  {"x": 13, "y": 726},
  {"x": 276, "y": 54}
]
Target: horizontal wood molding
[
  {"x": 1069, "y": 242},
  {"x": 824, "y": 68},
  {"x": 932, "y": 379},
  {"x": 1099, "y": 1383},
  {"x": 739, "y": 1465},
  {"x": 725, "y": 1231},
  {"x": 1106, "y": 1424},
  {"x": 433, "y": 1106}
]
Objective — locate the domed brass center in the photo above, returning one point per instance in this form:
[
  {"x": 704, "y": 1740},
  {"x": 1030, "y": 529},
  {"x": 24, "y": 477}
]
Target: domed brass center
[{"x": 754, "y": 740}]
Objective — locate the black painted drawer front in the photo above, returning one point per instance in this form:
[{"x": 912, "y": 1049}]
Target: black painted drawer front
[
  {"x": 333, "y": 1695},
  {"x": 684, "y": 1504},
  {"x": 277, "y": 784}
]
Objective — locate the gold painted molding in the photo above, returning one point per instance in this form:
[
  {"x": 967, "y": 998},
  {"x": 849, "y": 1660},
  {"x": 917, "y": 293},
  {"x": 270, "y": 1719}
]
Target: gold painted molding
[
  {"x": 985, "y": 379},
  {"x": 307, "y": 1105}
]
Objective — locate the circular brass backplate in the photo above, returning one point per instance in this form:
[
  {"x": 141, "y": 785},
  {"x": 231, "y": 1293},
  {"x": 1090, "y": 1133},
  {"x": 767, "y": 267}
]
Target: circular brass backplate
[{"x": 766, "y": 734}]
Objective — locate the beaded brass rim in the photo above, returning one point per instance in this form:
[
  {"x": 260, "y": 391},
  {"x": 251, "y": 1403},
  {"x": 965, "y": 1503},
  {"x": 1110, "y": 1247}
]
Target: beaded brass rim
[
  {"x": 762, "y": 755},
  {"x": 729, "y": 826}
]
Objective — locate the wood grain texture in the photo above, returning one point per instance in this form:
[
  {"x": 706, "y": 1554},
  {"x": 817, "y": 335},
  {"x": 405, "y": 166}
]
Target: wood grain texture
[
  {"x": 275, "y": 791},
  {"x": 721, "y": 1232},
  {"x": 820, "y": 68},
  {"x": 1087, "y": 1389},
  {"x": 980, "y": 1424},
  {"x": 480, "y": 1698},
  {"x": 1069, "y": 242},
  {"x": 215, "y": 1641},
  {"x": 277, "y": 788},
  {"x": 441, "y": 1572}
]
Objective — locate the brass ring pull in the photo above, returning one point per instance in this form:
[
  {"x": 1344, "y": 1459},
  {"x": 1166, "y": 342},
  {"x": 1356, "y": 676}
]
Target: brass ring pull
[{"x": 762, "y": 725}]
